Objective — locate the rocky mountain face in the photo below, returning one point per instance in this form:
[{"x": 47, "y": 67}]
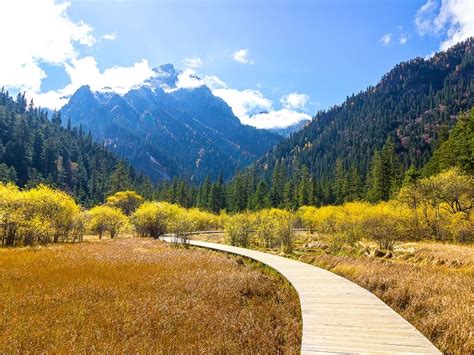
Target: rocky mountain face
[{"x": 167, "y": 132}]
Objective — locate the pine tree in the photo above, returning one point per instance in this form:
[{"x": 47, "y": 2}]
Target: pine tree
[
  {"x": 340, "y": 183},
  {"x": 119, "y": 179},
  {"x": 384, "y": 177},
  {"x": 354, "y": 185},
  {"x": 304, "y": 188},
  {"x": 260, "y": 198},
  {"x": 217, "y": 197},
  {"x": 204, "y": 192},
  {"x": 289, "y": 198}
]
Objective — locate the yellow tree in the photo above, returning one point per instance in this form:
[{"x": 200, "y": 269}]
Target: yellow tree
[
  {"x": 128, "y": 201},
  {"x": 106, "y": 219},
  {"x": 154, "y": 219}
]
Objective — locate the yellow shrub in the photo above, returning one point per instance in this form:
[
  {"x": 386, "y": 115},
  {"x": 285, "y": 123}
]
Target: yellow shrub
[
  {"x": 239, "y": 228},
  {"x": 203, "y": 220},
  {"x": 127, "y": 201},
  {"x": 106, "y": 219},
  {"x": 11, "y": 218},
  {"x": 40, "y": 215},
  {"x": 387, "y": 224},
  {"x": 283, "y": 223},
  {"x": 154, "y": 219}
]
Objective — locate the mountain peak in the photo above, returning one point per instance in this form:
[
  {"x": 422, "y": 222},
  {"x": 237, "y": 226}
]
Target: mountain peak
[
  {"x": 166, "y": 76},
  {"x": 166, "y": 70}
]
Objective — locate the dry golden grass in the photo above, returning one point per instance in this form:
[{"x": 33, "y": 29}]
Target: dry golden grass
[
  {"x": 139, "y": 295},
  {"x": 429, "y": 284}
]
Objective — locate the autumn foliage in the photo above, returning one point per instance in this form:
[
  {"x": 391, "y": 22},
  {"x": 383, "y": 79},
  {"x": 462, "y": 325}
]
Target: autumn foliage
[{"x": 38, "y": 216}]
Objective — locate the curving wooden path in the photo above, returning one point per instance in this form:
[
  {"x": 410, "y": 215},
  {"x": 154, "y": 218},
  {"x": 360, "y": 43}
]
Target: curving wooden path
[{"x": 338, "y": 315}]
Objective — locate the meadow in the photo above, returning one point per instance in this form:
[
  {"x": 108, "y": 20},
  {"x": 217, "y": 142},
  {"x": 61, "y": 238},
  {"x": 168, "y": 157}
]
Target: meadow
[
  {"x": 415, "y": 252},
  {"x": 141, "y": 295},
  {"x": 431, "y": 284}
]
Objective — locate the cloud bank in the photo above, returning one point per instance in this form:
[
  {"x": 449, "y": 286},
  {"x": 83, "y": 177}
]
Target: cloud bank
[
  {"x": 46, "y": 35},
  {"x": 451, "y": 19},
  {"x": 250, "y": 105}
]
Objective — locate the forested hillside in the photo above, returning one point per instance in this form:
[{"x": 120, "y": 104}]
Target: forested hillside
[
  {"x": 364, "y": 149},
  {"x": 413, "y": 106},
  {"x": 168, "y": 132},
  {"x": 34, "y": 150}
]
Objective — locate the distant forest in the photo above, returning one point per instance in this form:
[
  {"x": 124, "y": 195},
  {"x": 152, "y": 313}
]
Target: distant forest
[{"x": 36, "y": 149}]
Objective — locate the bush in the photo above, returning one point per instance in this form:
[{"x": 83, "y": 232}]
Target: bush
[
  {"x": 202, "y": 220},
  {"x": 127, "y": 201},
  {"x": 441, "y": 206},
  {"x": 11, "y": 206},
  {"x": 238, "y": 229},
  {"x": 182, "y": 226},
  {"x": 108, "y": 219},
  {"x": 283, "y": 223},
  {"x": 153, "y": 219},
  {"x": 38, "y": 216},
  {"x": 386, "y": 225},
  {"x": 342, "y": 223},
  {"x": 265, "y": 231}
]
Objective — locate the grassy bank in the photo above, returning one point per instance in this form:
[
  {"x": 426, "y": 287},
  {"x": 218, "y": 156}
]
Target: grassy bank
[{"x": 139, "y": 295}]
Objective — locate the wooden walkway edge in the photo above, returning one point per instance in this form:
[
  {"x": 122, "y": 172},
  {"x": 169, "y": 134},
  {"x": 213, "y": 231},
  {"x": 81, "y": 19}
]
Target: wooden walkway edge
[{"x": 338, "y": 315}]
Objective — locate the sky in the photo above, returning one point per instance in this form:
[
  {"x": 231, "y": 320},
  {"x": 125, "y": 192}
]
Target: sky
[{"x": 274, "y": 62}]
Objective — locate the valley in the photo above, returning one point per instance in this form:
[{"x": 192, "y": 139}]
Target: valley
[{"x": 298, "y": 178}]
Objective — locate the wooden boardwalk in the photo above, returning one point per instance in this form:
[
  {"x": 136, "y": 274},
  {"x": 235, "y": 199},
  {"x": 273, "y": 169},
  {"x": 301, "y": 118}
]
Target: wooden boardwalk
[{"x": 338, "y": 315}]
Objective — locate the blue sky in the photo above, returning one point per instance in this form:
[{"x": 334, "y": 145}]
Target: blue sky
[{"x": 295, "y": 56}]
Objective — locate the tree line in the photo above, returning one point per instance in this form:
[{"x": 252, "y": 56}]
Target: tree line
[
  {"x": 439, "y": 207},
  {"x": 249, "y": 190}
]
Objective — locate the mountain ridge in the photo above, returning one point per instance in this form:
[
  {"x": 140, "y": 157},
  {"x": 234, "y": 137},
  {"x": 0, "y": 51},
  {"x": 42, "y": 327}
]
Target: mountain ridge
[{"x": 169, "y": 132}]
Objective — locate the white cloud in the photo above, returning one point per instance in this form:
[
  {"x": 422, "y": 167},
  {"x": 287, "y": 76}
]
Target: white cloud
[
  {"x": 45, "y": 34},
  {"x": 41, "y": 32},
  {"x": 244, "y": 103},
  {"x": 278, "y": 119},
  {"x": 193, "y": 62},
  {"x": 84, "y": 71},
  {"x": 403, "y": 39},
  {"x": 188, "y": 79},
  {"x": 386, "y": 39},
  {"x": 294, "y": 100},
  {"x": 109, "y": 37},
  {"x": 241, "y": 56},
  {"x": 453, "y": 19},
  {"x": 254, "y": 109},
  {"x": 424, "y": 16},
  {"x": 249, "y": 105}
]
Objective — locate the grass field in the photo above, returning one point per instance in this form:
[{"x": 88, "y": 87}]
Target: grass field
[
  {"x": 140, "y": 295},
  {"x": 429, "y": 284}
]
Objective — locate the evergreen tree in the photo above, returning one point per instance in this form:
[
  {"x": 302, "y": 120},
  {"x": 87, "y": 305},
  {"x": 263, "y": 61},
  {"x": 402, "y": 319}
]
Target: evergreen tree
[
  {"x": 340, "y": 183},
  {"x": 204, "y": 192},
  {"x": 384, "y": 176},
  {"x": 304, "y": 188},
  {"x": 119, "y": 179},
  {"x": 457, "y": 149},
  {"x": 289, "y": 199},
  {"x": 260, "y": 198}
]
